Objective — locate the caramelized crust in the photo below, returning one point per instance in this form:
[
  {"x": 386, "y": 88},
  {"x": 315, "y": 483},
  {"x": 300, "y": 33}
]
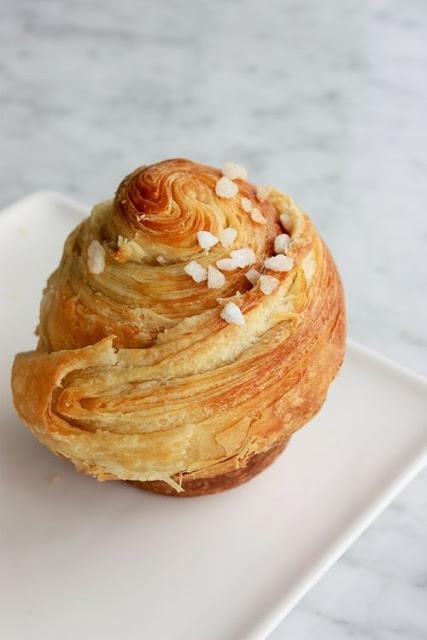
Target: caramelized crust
[
  {"x": 136, "y": 376},
  {"x": 204, "y": 486}
]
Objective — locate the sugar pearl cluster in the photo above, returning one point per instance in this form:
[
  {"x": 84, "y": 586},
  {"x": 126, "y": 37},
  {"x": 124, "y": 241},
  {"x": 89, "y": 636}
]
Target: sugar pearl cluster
[
  {"x": 243, "y": 257},
  {"x": 248, "y": 206},
  {"x": 226, "y": 188}
]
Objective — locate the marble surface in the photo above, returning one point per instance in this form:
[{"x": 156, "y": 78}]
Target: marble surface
[{"x": 326, "y": 100}]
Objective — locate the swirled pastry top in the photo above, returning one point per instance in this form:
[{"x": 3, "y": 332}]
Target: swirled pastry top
[{"x": 194, "y": 320}]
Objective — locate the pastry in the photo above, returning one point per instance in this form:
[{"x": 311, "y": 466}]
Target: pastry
[{"x": 194, "y": 323}]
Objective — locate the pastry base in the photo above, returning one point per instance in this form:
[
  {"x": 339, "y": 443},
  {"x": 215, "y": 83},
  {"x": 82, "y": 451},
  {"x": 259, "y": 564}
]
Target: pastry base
[{"x": 204, "y": 486}]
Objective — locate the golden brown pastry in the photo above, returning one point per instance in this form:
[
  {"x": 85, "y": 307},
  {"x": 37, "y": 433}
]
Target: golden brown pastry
[{"x": 194, "y": 323}]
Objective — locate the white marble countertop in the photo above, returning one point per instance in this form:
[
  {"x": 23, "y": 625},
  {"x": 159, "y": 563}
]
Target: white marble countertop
[{"x": 326, "y": 100}]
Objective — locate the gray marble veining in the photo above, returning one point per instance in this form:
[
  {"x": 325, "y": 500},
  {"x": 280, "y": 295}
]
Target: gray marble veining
[{"x": 326, "y": 100}]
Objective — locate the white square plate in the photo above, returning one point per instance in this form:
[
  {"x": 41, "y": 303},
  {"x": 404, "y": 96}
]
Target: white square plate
[{"x": 82, "y": 559}]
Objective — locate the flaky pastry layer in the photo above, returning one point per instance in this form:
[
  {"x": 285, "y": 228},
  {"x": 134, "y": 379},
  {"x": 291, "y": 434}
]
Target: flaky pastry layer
[{"x": 137, "y": 377}]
